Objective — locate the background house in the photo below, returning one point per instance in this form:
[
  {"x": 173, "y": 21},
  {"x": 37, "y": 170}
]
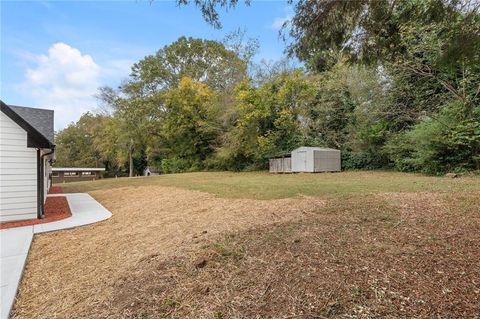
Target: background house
[
  {"x": 76, "y": 174},
  {"x": 26, "y": 150}
]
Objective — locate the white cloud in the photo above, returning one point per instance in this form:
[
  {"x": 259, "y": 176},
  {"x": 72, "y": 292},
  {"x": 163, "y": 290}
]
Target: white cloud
[
  {"x": 280, "y": 21},
  {"x": 64, "y": 80}
]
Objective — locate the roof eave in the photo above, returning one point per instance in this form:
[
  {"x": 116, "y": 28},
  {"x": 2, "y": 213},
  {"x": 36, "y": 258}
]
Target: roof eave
[{"x": 34, "y": 138}]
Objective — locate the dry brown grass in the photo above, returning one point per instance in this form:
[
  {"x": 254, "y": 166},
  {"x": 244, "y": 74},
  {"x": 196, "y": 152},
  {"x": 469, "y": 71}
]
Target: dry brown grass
[
  {"x": 73, "y": 274},
  {"x": 390, "y": 255}
]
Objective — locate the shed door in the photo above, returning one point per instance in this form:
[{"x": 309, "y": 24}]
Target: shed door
[{"x": 302, "y": 161}]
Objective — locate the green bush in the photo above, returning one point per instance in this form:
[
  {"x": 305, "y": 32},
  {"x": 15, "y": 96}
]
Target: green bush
[
  {"x": 448, "y": 142},
  {"x": 175, "y": 165},
  {"x": 363, "y": 160}
]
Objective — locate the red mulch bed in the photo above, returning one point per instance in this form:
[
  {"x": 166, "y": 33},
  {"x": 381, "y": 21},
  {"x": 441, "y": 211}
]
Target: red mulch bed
[
  {"x": 56, "y": 190},
  {"x": 56, "y": 208}
]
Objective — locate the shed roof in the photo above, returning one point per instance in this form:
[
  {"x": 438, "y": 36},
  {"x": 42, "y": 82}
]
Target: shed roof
[
  {"x": 316, "y": 148},
  {"x": 78, "y": 169}
]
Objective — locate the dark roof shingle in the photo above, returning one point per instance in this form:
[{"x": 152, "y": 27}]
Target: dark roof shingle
[{"x": 40, "y": 119}]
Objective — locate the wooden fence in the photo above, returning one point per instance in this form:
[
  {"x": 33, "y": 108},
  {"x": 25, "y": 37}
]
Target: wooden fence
[{"x": 281, "y": 165}]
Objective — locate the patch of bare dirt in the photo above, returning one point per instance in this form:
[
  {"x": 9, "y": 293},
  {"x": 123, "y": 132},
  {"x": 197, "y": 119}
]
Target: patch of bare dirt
[{"x": 76, "y": 273}]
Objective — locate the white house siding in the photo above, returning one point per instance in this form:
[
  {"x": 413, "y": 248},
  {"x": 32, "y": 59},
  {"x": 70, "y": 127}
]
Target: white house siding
[{"x": 18, "y": 173}]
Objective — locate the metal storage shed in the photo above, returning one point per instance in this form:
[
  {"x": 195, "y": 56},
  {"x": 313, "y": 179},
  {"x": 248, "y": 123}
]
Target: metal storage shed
[{"x": 315, "y": 159}]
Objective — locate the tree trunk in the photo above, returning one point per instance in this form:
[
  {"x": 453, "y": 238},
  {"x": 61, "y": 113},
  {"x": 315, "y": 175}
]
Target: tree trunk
[
  {"x": 130, "y": 160},
  {"x": 130, "y": 173}
]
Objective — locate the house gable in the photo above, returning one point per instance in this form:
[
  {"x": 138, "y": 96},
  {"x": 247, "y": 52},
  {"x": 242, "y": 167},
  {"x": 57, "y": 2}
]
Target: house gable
[
  {"x": 34, "y": 137},
  {"x": 26, "y": 145},
  {"x": 18, "y": 173}
]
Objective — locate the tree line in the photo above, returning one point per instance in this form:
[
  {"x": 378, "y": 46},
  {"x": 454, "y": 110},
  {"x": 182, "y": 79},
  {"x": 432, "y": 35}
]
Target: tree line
[{"x": 393, "y": 84}]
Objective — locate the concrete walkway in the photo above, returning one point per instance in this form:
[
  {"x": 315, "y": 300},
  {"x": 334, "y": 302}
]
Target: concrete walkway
[{"x": 15, "y": 243}]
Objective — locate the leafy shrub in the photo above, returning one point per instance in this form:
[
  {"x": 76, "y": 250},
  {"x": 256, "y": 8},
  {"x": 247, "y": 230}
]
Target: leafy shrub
[
  {"x": 448, "y": 142},
  {"x": 175, "y": 165},
  {"x": 363, "y": 160}
]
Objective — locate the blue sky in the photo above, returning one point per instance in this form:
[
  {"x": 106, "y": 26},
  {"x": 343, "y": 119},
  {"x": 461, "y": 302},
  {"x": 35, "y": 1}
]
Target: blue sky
[{"x": 55, "y": 54}]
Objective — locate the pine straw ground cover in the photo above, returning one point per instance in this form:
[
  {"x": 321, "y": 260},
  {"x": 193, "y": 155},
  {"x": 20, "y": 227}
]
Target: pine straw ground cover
[
  {"x": 73, "y": 273},
  {"x": 171, "y": 253}
]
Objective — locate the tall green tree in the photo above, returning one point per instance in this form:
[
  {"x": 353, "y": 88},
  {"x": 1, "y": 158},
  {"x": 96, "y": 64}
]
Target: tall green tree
[
  {"x": 139, "y": 105},
  {"x": 77, "y": 144},
  {"x": 370, "y": 31},
  {"x": 135, "y": 121},
  {"x": 204, "y": 61},
  {"x": 267, "y": 121},
  {"x": 191, "y": 126},
  {"x": 209, "y": 8}
]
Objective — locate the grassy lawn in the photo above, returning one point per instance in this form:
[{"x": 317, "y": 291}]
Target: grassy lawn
[
  {"x": 270, "y": 186},
  {"x": 226, "y": 245}
]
